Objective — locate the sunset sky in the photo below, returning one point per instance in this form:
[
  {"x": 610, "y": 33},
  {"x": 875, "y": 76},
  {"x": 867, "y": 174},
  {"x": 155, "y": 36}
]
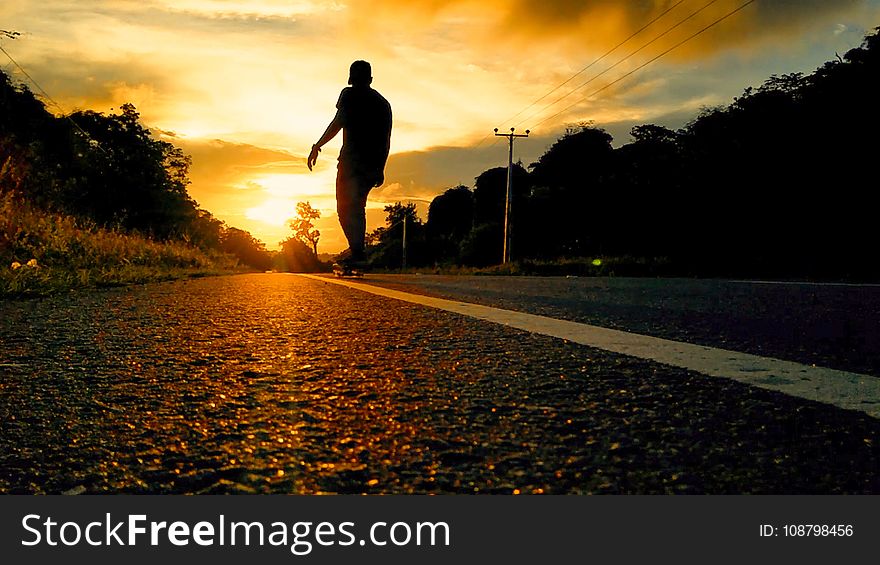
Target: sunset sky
[{"x": 246, "y": 87}]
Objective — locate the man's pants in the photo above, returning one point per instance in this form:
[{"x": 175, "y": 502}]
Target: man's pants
[{"x": 352, "y": 190}]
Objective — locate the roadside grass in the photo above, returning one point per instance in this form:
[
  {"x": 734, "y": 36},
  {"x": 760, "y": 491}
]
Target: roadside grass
[
  {"x": 623, "y": 266},
  {"x": 43, "y": 253},
  {"x": 575, "y": 266}
]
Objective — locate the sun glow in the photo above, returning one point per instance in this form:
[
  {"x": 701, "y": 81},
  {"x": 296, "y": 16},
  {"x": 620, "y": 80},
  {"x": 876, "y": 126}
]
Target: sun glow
[
  {"x": 281, "y": 192},
  {"x": 274, "y": 211}
]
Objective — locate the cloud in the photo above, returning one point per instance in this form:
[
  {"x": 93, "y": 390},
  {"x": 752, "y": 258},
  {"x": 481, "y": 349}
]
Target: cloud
[
  {"x": 217, "y": 162},
  {"x": 267, "y": 72},
  {"x": 508, "y": 53},
  {"x": 424, "y": 174},
  {"x": 244, "y": 9},
  {"x": 598, "y": 25},
  {"x": 254, "y": 188},
  {"x": 99, "y": 85}
]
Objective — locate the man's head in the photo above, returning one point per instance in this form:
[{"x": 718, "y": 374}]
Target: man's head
[{"x": 360, "y": 73}]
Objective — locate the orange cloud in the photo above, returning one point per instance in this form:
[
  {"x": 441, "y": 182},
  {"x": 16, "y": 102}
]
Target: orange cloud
[{"x": 598, "y": 25}]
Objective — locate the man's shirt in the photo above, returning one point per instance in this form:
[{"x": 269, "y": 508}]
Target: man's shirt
[{"x": 365, "y": 116}]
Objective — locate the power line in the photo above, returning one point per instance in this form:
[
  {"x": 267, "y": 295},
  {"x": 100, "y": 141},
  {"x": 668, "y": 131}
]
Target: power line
[
  {"x": 643, "y": 65},
  {"x": 13, "y": 35},
  {"x": 648, "y": 44},
  {"x": 35, "y": 83},
  {"x": 586, "y": 68},
  {"x": 609, "y": 52},
  {"x": 8, "y": 35}
]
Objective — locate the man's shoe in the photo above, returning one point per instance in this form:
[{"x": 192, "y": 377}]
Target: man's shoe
[{"x": 344, "y": 256}]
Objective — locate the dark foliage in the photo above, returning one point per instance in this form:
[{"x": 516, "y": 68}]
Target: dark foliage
[
  {"x": 250, "y": 251},
  {"x": 108, "y": 171},
  {"x": 297, "y": 257},
  {"x": 776, "y": 184},
  {"x": 385, "y": 245},
  {"x": 450, "y": 220}
]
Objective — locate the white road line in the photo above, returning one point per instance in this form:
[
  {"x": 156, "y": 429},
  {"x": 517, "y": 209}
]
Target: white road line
[
  {"x": 852, "y": 391},
  {"x": 808, "y": 283}
]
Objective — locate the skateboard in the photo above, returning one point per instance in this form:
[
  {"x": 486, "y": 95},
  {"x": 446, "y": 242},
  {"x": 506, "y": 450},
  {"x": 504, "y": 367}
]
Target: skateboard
[{"x": 347, "y": 271}]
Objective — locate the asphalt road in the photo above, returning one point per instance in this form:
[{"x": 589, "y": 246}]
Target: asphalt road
[
  {"x": 277, "y": 383},
  {"x": 830, "y": 325}
]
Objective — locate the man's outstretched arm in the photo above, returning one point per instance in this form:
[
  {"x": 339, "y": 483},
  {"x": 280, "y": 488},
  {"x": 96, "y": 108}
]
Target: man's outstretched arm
[{"x": 329, "y": 134}]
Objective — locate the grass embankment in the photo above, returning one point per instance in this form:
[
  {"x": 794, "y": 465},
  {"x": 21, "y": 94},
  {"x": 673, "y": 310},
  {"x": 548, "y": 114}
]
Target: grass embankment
[{"x": 43, "y": 253}]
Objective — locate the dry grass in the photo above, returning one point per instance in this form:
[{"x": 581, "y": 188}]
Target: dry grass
[{"x": 43, "y": 253}]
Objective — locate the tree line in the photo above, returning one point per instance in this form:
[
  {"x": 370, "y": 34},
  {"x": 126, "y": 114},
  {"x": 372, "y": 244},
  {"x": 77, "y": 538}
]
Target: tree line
[
  {"x": 777, "y": 183},
  {"x": 107, "y": 171}
]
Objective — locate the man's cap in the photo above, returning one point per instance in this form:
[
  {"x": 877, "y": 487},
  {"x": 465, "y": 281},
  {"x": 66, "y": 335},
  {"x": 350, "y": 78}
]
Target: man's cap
[{"x": 360, "y": 73}]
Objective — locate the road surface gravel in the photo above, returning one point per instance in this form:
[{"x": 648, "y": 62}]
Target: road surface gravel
[{"x": 280, "y": 384}]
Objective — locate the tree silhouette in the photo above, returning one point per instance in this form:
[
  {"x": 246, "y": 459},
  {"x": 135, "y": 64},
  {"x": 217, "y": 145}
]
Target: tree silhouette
[
  {"x": 396, "y": 213},
  {"x": 298, "y": 257},
  {"x": 109, "y": 170},
  {"x": 303, "y": 225},
  {"x": 450, "y": 219},
  {"x": 385, "y": 245},
  {"x": 574, "y": 160},
  {"x": 776, "y": 184},
  {"x": 249, "y": 250},
  {"x": 129, "y": 179},
  {"x": 571, "y": 171}
]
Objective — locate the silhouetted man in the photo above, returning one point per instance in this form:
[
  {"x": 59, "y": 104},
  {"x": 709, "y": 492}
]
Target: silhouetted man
[{"x": 364, "y": 116}]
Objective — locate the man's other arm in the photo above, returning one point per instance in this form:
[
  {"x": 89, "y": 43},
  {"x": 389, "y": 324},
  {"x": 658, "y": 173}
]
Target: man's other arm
[{"x": 329, "y": 133}]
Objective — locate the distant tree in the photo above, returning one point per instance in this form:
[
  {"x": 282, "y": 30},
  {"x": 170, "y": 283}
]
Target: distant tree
[
  {"x": 790, "y": 84},
  {"x": 574, "y": 172},
  {"x": 205, "y": 230},
  {"x": 451, "y": 214},
  {"x": 490, "y": 197},
  {"x": 450, "y": 219},
  {"x": 297, "y": 257},
  {"x": 303, "y": 225},
  {"x": 249, "y": 250},
  {"x": 650, "y": 133},
  {"x": 396, "y": 213},
  {"x": 642, "y": 194},
  {"x": 574, "y": 160},
  {"x": 375, "y": 237},
  {"x": 482, "y": 246},
  {"x": 490, "y": 193},
  {"x": 385, "y": 245}
]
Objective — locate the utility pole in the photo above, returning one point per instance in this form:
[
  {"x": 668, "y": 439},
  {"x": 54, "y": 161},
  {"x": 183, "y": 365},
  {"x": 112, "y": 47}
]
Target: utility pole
[
  {"x": 403, "y": 261},
  {"x": 510, "y": 137}
]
